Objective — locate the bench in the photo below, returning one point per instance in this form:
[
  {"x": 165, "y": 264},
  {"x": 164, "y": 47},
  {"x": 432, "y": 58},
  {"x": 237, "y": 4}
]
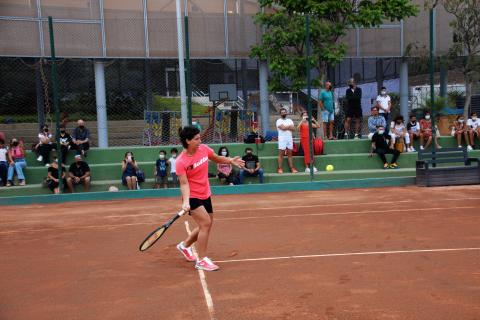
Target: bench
[{"x": 446, "y": 167}]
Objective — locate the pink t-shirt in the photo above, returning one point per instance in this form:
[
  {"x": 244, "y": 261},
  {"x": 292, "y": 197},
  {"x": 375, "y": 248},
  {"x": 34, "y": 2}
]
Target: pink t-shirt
[{"x": 196, "y": 169}]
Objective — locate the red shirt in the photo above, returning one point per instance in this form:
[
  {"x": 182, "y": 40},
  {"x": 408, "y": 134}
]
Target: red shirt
[
  {"x": 304, "y": 131},
  {"x": 425, "y": 125},
  {"x": 196, "y": 169}
]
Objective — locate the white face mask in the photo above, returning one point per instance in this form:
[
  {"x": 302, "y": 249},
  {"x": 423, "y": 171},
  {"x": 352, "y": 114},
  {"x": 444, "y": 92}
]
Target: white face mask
[
  {"x": 305, "y": 117},
  {"x": 174, "y": 155},
  {"x": 381, "y": 131},
  {"x": 461, "y": 120},
  {"x": 161, "y": 156},
  {"x": 427, "y": 117},
  {"x": 224, "y": 153},
  {"x": 383, "y": 93},
  {"x": 474, "y": 118}
]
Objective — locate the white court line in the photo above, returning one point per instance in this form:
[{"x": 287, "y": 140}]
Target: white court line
[
  {"x": 349, "y": 254},
  {"x": 203, "y": 281},
  {"x": 339, "y": 213},
  {"x": 120, "y": 225}
]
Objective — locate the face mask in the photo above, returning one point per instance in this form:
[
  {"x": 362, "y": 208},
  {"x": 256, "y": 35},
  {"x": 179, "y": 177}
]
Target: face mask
[
  {"x": 413, "y": 121},
  {"x": 383, "y": 93},
  {"x": 305, "y": 117},
  {"x": 461, "y": 120},
  {"x": 62, "y": 131},
  {"x": 474, "y": 118},
  {"x": 284, "y": 116},
  {"x": 224, "y": 153},
  {"x": 45, "y": 130},
  {"x": 81, "y": 127},
  {"x": 381, "y": 131},
  {"x": 427, "y": 117},
  {"x": 249, "y": 153},
  {"x": 351, "y": 86},
  {"x": 174, "y": 155},
  {"x": 161, "y": 156},
  {"x": 15, "y": 143}
]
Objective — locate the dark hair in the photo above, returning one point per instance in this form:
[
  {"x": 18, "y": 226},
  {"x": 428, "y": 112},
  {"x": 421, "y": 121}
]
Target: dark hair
[
  {"x": 2, "y": 141},
  {"x": 247, "y": 149},
  {"x": 187, "y": 133},
  {"x": 473, "y": 113},
  {"x": 128, "y": 153},
  {"x": 220, "y": 150},
  {"x": 283, "y": 109},
  {"x": 398, "y": 118},
  {"x": 412, "y": 115},
  {"x": 173, "y": 150},
  {"x": 374, "y": 107},
  {"x": 162, "y": 151},
  {"x": 383, "y": 88},
  {"x": 427, "y": 112}
]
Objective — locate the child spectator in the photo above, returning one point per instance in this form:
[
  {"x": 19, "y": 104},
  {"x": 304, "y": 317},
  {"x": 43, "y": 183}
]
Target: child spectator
[
  {"x": 399, "y": 132},
  {"x": 65, "y": 142},
  {"x": 79, "y": 173},
  {"x": 382, "y": 144},
  {"x": 225, "y": 170},
  {"x": 129, "y": 171},
  {"x": 413, "y": 128},
  {"x": 252, "y": 166},
  {"x": 426, "y": 132},
  {"x": 161, "y": 173},
  {"x": 81, "y": 138},
  {"x": 173, "y": 172},
  {"x": 460, "y": 130},
  {"x": 16, "y": 154},
  {"x": 4, "y": 161},
  {"x": 52, "y": 176},
  {"x": 473, "y": 129},
  {"x": 44, "y": 146}
]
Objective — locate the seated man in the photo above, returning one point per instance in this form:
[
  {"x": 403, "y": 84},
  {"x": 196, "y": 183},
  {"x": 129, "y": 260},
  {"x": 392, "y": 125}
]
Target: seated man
[
  {"x": 81, "y": 138},
  {"x": 374, "y": 121},
  {"x": 78, "y": 173},
  {"x": 252, "y": 166},
  {"x": 382, "y": 144},
  {"x": 413, "y": 128},
  {"x": 473, "y": 127}
]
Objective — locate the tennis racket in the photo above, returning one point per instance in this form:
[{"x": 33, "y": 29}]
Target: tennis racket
[{"x": 157, "y": 233}]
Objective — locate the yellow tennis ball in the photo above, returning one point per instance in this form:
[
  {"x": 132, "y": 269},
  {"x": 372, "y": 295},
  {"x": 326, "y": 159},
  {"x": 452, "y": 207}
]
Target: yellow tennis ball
[{"x": 329, "y": 167}]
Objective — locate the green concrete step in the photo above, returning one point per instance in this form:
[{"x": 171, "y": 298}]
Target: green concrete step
[
  {"x": 103, "y": 185},
  {"x": 145, "y": 154}
]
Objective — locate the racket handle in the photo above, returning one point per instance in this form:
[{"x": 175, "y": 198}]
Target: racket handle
[{"x": 181, "y": 213}]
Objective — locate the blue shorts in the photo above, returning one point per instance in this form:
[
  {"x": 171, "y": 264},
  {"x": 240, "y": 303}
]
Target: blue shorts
[{"x": 328, "y": 116}]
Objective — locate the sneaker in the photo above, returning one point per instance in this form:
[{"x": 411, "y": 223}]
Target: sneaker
[
  {"x": 393, "y": 165},
  {"x": 469, "y": 148},
  {"x": 413, "y": 149},
  {"x": 315, "y": 169},
  {"x": 345, "y": 135},
  {"x": 356, "y": 137},
  {"x": 460, "y": 146},
  {"x": 279, "y": 170},
  {"x": 385, "y": 166},
  {"x": 439, "y": 147},
  {"x": 22, "y": 183},
  {"x": 307, "y": 170},
  {"x": 40, "y": 159},
  {"x": 294, "y": 170},
  {"x": 206, "y": 264},
  {"x": 47, "y": 165},
  {"x": 187, "y": 252},
  {"x": 9, "y": 184},
  {"x": 422, "y": 148}
]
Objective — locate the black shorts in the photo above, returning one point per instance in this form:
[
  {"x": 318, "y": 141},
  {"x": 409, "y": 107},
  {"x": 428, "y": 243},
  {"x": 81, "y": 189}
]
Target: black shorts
[
  {"x": 354, "y": 112},
  {"x": 207, "y": 204}
]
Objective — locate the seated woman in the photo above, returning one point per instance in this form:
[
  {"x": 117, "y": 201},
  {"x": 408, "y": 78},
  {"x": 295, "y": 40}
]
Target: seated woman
[
  {"x": 460, "y": 130},
  {"x": 44, "y": 146},
  {"x": 52, "y": 176},
  {"x": 225, "y": 171},
  {"x": 17, "y": 162},
  {"x": 399, "y": 134},
  {"x": 129, "y": 171}
]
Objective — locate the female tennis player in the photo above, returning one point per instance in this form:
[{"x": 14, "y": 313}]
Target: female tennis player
[{"x": 192, "y": 172}]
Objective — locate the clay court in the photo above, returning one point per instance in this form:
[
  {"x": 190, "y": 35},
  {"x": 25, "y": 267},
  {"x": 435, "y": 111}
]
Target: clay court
[{"x": 385, "y": 253}]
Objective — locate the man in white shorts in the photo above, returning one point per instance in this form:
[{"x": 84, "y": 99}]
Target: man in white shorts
[{"x": 285, "y": 128}]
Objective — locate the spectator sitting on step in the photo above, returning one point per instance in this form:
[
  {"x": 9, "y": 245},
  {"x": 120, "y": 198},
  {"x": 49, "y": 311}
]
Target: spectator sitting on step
[
  {"x": 161, "y": 170},
  {"x": 473, "y": 128},
  {"x": 413, "y": 128},
  {"x": 16, "y": 154},
  {"x": 79, "y": 173},
  {"x": 65, "y": 143},
  {"x": 81, "y": 138},
  {"x": 4, "y": 161},
  {"x": 398, "y": 131},
  {"x": 426, "y": 132},
  {"x": 129, "y": 171},
  {"x": 44, "y": 146},
  {"x": 460, "y": 130},
  {"x": 52, "y": 176},
  {"x": 225, "y": 170},
  {"x": 374, "y": 121},
  {"x": 382, "y": 144},
  {"x": 173, "y": 172},
  {"x": 252, "y": 166}
]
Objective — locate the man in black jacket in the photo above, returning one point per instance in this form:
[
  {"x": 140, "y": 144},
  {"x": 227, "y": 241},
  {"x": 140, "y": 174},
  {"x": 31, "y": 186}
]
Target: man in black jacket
[
  {"x": 354, "y": 108},
  {"x": 382, "y": 144}
]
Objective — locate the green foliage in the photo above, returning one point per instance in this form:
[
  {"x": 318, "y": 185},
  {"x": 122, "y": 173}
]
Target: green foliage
[
  {"x": 174, "y": 104},
  {"x": 283, "y": 42},
  {"x": 439, "y": 104}
]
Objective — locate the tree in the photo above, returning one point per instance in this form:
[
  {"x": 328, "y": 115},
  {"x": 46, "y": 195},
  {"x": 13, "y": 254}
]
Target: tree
[
  {"x": 283, "y": 42},
  {"x": 466, "y": 28}
]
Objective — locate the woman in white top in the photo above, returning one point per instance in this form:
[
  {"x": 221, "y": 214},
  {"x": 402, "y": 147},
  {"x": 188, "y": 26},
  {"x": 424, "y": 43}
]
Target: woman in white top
[
  {"x": 459, "y": 130},
  {"x": 398, "y": 130},
  {"x": 44, "y": 146},
  {"x": 473, "y": 128}
]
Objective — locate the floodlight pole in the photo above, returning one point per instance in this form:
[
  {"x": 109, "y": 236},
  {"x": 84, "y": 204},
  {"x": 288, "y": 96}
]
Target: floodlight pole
[
  {"x": 187, "y": 66},
  {"x": 432, "y": 70},
  {"x": 309, "y": 92},
  {"x": 181, "y": 66},
  {"x": 55, "y": 103}
]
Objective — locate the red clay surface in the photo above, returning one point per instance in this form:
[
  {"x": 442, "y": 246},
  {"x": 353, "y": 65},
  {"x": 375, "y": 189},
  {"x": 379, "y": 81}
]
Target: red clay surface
[{"x": 81, "y": 260}]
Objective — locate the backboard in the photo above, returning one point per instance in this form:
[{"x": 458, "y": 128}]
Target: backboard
[{"x": 222, "y": 92}]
